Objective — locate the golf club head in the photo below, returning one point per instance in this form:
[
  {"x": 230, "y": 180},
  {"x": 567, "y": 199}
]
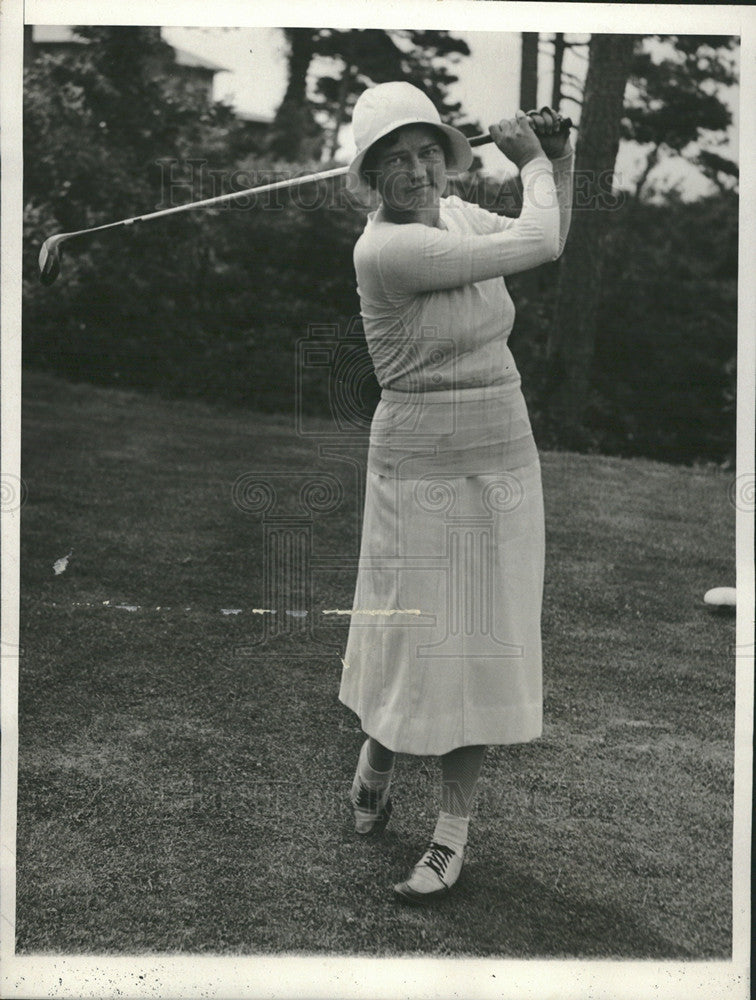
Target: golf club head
[{"x": 49, "y": 259}]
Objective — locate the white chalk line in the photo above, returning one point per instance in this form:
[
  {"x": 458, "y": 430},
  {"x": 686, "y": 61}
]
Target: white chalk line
[
  {"x": 373, "y": 611},
  {"x": 233, "y": 612}
]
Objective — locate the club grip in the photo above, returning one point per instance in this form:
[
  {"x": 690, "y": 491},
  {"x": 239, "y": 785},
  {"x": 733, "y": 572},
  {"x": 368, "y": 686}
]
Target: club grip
[{"x": 482, "y": 140}]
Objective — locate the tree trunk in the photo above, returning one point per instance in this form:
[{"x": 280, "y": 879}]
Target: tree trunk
[
  {"x": 529, "y": 70},
  {"x": 528, "y": 283},
  {"x": 294, "y": 129},
  {"x": 653, "y": 159},
  {"x": 573, "y": 333},
  {"x": 556, "y": 87},
  {"x": 345, "y": 86}
]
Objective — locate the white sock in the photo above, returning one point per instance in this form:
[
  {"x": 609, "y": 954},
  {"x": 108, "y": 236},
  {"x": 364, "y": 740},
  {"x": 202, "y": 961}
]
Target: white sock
[{"x": 451, "y": 830}]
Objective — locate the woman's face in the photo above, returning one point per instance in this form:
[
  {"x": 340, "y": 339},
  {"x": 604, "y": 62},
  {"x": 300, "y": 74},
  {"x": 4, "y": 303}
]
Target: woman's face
[{"x": 410, "y": 173}]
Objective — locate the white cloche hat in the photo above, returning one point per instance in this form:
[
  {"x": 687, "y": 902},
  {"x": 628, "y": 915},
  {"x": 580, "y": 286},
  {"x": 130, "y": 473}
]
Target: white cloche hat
[{"x": 388, "y": 106}]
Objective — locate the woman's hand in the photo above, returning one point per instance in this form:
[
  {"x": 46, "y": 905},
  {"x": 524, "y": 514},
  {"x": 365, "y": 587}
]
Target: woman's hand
[
  {"x": 553, "y": 136},
  {"x": 516, "y": 139}
]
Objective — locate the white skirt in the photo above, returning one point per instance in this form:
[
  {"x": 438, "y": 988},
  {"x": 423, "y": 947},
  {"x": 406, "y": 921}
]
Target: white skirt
[{"x": 444, "y": 647}]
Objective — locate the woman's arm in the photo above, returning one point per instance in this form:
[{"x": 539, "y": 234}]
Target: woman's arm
[
  {"x": 417, "y": 258},
  {"x": 485, "y": 221}
]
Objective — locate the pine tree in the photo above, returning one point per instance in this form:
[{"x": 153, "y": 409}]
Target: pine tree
[
  {"x": 344, "y": 64},
  {"x": 573, "y": 332},
  {"x": 528, "y": 70},
  {"x": 295, "y": 134},
  {"x": 673, "y": 101}
]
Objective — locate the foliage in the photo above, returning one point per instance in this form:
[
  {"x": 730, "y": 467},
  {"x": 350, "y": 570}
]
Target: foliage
[
  {"x": 675, "y": 101},
  {"x": 213, "y": 304},
  {"x": 348, "y": 61},
  {"x": 662, "y": 379},
  {"x": 108, "y": 137},
  {"x": 671, "y": 104},
  {"x": 661, "y": 376}
]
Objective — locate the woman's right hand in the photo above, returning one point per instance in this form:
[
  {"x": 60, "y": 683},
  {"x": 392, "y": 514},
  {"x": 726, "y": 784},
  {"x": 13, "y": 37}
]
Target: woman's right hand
[{"x": 516, "y": 139}]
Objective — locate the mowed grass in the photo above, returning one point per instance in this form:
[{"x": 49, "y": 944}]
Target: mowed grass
[{"x": 184, "y": 773}]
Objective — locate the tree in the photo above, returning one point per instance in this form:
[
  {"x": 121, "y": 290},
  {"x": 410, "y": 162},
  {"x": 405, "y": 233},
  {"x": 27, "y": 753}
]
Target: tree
[
  {"x": 556, "y": 86},
  {"x": 666, "y": 339},
  {"x": 561, "y": 78},
  {"x": 673, "y": 101},
  {"x": 346, "y": 62},
  {"x": 572, "y": 336},
  {"x": 357, "y": 55},
  {"x": 721, "y": 171},
  {"x": 528, "y": 70},
  {"x": 530, "y": 285},
  {"x": 105, "y": 128},
  {"x": 364, "y": 57},
  {"x": 670, "y": 103},
  {"x": 295, "y": 133},
  {"x": 426, "y": 60}
]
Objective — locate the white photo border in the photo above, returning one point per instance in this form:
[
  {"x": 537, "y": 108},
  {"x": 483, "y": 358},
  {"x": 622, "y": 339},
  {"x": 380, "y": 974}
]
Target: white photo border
[{"x": 158, "y": 975}]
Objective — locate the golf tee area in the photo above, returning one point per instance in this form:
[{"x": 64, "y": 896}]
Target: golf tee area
[{"x": 184, "y": 762}]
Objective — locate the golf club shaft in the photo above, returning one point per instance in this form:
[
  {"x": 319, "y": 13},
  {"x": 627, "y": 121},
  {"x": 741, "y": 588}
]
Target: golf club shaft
[
  {"x": 220, "y": 199},
  {"x": 478, "y": 140},
  {"x": 49, "y": 257}
]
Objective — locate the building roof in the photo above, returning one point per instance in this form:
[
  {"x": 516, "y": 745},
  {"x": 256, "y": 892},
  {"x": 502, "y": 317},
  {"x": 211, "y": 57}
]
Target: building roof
[
  {"x": 43, "y": 33},
  {"x": 184, "y": 58},
  {"x": 61, "y": 34}
]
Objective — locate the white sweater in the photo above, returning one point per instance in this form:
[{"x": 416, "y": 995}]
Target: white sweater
[{"x": 435, "y": 308}]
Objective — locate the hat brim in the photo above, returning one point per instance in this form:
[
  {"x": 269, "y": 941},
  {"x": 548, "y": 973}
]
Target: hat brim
[{"x": 460, "y": 160}]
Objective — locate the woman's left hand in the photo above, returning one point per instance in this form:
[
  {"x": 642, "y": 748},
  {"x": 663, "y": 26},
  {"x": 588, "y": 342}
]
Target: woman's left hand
[{"x": 554, "y": 138}]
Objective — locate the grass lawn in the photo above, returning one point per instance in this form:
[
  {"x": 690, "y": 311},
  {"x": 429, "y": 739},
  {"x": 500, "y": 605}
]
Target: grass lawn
[{"x": 184, "y": 772}]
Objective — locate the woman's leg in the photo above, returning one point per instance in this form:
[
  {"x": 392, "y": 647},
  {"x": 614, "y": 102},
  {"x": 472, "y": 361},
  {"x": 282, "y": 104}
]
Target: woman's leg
[
  {"x": 370, "y": 789},
  {"x": 439, "y": 867},
  {"x": 379, "y": 758},
  {"x": 460, "y": 770}
]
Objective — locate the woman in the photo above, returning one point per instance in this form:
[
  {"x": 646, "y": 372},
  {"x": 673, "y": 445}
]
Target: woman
[{"x": 444, "y": 649}]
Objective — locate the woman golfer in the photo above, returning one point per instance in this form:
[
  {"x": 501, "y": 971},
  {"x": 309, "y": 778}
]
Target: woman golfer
[{"x": 444, "y": 648}]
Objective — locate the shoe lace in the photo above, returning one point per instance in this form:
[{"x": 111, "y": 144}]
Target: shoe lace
[
  {"x": 438, "y": 857},
  {"x": 368, "y": 798}
]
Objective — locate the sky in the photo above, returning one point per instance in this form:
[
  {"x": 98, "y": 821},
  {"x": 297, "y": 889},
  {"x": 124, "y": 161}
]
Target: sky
[{"x": 488, "y": 88}]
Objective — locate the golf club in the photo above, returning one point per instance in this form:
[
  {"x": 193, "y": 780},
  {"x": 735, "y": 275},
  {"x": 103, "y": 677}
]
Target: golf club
[{"x": 51, "y": 251}]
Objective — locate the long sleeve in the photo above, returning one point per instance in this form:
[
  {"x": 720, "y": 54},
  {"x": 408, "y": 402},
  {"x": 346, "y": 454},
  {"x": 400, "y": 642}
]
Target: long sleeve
[
  {"x": 417, "y": 258},
  {"x": 491, "y": 222}
]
